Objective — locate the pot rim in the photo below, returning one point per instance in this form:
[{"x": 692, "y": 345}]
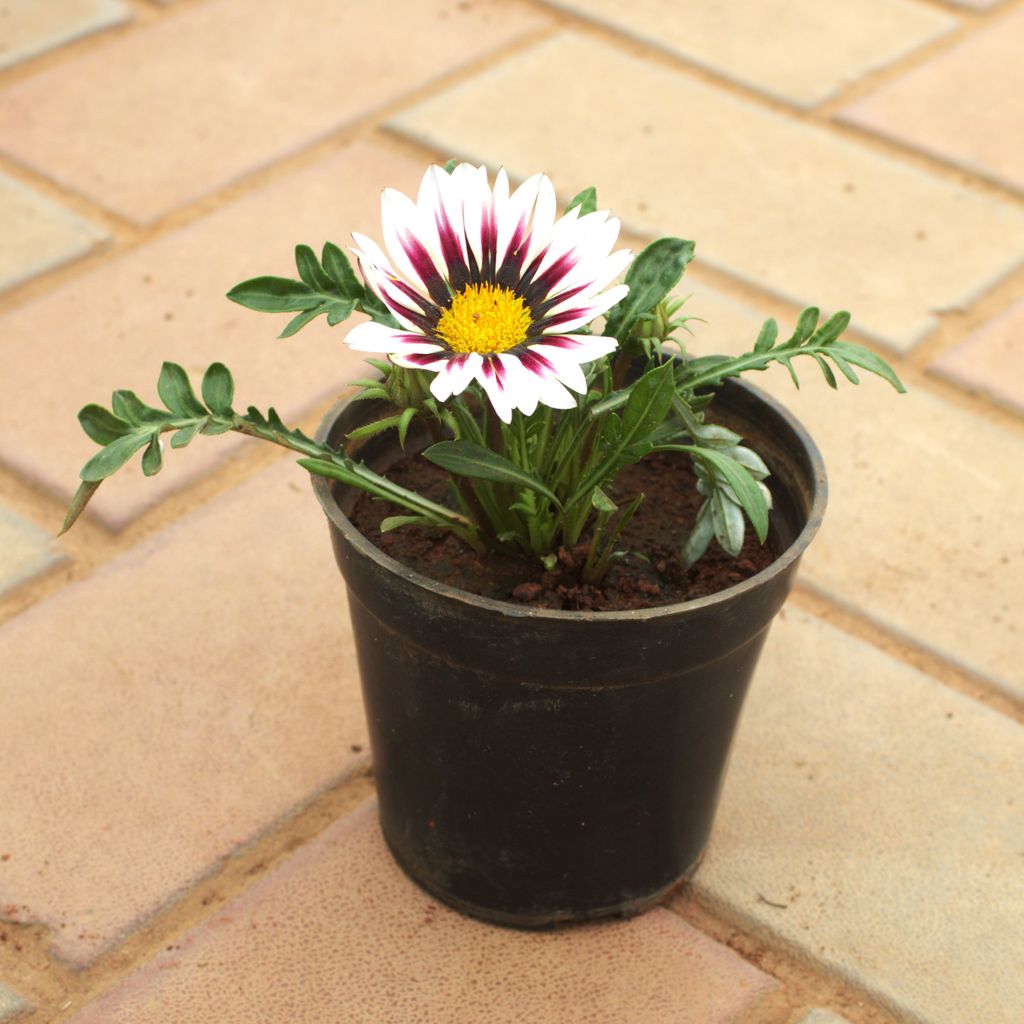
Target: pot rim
[{"x": 322, "y": 487}]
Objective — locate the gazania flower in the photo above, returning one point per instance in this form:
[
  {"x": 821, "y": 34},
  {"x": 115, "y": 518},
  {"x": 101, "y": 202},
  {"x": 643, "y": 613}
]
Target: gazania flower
[{"x": 489, "y": 286}]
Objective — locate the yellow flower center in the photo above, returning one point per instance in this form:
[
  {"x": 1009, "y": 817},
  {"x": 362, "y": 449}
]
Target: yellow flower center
[{"x": 484, "y": 319}]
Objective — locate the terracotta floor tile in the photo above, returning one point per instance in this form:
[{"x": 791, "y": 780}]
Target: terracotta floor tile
[
  {"x": 784, "y": 205},
  {"x": 28, "y": 27},
  {"x": 338, "y": 933},
  {"x": 796, "y": 52},
  {"x": 963, "y": 106},
  {"x": 161, "y": 116},
  {"x": 871, "y": 819},
  {"x": 991, "y": 360},
  {"x": 113, "y": 327},
  {"x": 203, "y": 686},
  {"x": 38, "y": 235}
]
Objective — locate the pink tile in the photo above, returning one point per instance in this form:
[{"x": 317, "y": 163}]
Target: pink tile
[
  {"x": 338, "y": 933},
  {"x": 963, "y": 106},
  {"x": 113, "y": 328},
  {"x": 169, "y": 708},
  {"x": 991, "y": 360},
  {"x": 161, "y": 116}
]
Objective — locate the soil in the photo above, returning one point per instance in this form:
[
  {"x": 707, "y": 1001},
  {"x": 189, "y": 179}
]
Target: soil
[{"x": 665, "y": 516}]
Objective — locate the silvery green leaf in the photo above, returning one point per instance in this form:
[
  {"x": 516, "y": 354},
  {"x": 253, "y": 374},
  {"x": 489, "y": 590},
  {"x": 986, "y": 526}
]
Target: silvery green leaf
[
  {"x": 101, "y": 425},
  {"x": 727, "y": 518},
  {"x": 766, "y": 339},
  {"x": 700, "y": 536},
  {"x": 715, "y": 436},
  {"x": 111, "y": 458},
  {"x": 176, "y": 392},
  {"x": 180, "y": 438},
  {"x": 749, "y": 460},
  {"x": 766, "y": 494},
  {"x": 394, "y": 522},
  {"x": 218, "y": 389},
  {"x": 153, "y": 456},
  {"x": 805, "y": 325}
]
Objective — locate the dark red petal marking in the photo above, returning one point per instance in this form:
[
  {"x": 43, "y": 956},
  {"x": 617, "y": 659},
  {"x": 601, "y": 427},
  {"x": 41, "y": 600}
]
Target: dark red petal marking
[
  {"x": 541, "y": 310},
  {"x": 508, "y": 274},
  {"x": 494, "y": 368},
  {"x": 559, "y": 341},
  {"x": 564, "y": 317},
  {"x": 536, "y": 363},
  {"x": 458, "y": 272},
  {"x": 425, "y": 269},
  {"x": 423, "y": 358}
]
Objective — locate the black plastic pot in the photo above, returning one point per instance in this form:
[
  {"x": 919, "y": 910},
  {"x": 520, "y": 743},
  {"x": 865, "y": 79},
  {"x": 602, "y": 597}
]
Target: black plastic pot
[{"x": 537, "y": 766}]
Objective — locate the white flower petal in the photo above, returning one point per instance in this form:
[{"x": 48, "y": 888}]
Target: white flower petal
[
  {"x": 374, "y": 337},
  {"x": 577, "y": 313},
  {"x": 455, "y": 376},
  {"x": 494, "y": 379}
]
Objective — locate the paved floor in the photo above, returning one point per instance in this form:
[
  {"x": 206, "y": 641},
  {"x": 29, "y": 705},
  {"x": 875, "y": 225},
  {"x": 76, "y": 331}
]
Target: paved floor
[{"x": 187, "y": 830}]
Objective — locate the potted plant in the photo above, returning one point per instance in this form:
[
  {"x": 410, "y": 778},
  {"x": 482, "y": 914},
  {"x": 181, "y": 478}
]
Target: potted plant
[{"x": 550, "y": 706}]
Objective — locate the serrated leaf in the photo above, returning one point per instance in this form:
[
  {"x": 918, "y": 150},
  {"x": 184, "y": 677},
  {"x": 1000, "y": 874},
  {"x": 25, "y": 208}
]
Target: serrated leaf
[
  {"x": 101, "y": 425},
  {"x": 310, "y": 270},
  {"x": 792, "y": 373},
  {"x": 727, "y": 520},
  {"x": 180, "y": 438},
  {"x": 805, "y": 325},
  {"x": 600, "y": 501},
  {"x": 300, "y": 320},
  {"x": 766, "y": 339},
  {"x": 274, "y": 295},
  {"x": 176, "y": 392},
  {"x": 468, "y": 459},
  {"x": 153, "y": 457},
  {"x": 408, "y": 415},
  {"x": 111, "y": 458},
  {"x": 339, "y": 311},
  {"x": 585, "y": 200},
  {"x": 651, "y": 276},
  {"x": 86, "y": 489},
  {"x": 374, "y": 428},
  {"x": 340, "y": 271},
  {"x": 218, "y": 389}
]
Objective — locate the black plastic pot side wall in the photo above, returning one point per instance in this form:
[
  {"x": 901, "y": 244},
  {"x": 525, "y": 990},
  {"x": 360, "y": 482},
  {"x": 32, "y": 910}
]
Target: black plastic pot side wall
[{"x": 538, "y": 766}]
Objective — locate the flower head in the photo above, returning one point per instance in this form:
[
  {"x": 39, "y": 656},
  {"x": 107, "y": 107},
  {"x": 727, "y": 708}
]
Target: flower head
[{"x": 489, "y": 286}]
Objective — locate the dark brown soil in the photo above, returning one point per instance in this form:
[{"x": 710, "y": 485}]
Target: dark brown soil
[{"x": 671, "y": 502}]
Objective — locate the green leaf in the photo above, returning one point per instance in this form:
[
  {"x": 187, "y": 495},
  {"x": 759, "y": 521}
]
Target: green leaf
[
  {"x": 211, "y": 428},
  {"x": 340, "y": 271},
  {"x": 86, "y": 489},
  {"x": 128, "y": 406},
  {"x": 310, "y": 270},
  {"x": 651, "y": 276},
  {"x": 180, "y": 438},
  {"x": 844, "y": 367},
  {"x": 176, "y": 392},
  {"x": 298, "y": 322},
  {"x": 867, "y": 360},
  {"x": 376, "y": 427},
  {"x": 766, "y": 339},
  {"x": 746, "y": 490},
  {"x": 218, "y": 389},
  {"x": 408, "y": 415},
  {"x": 602, "y": 502},
  {"x": 727, "y": 520},
  {"x": 805, "y": 325},
  {"x": 830, "y": 377},
  {"x": 376, "y": 310},
  {"x": 394, "y": 522},
  {"x": 700, "y": 536},
  {"x": 473, "y": 460},
  {"x": 102, "y": 425},
  {"x": 585, "y": 200},
  {"x": 648, "y": 404},
  {"x": 450, "y": 165},
  {"x": 153, "y": 456},
  {"x": 830, "y": 330},
  {"x": 339, "y": 310},
  {"x": 110, "y": 459},
  {"x": 274, "y": 295}
]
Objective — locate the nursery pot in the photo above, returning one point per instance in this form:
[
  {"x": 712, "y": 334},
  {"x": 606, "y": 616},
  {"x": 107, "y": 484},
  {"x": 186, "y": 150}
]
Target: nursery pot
[{"x": 537, "y": 766}]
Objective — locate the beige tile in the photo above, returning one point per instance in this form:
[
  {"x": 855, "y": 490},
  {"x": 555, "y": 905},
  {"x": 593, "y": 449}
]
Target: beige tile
[
  {"x": 991, "y": 360},
  {"x": 203, "y": 686},
  {"x": 871, "y": 819},
  {"x": 159, "y": 117},
  {"x": 338, "y": 933},
  {"x": 797, "y": 52},
  {"x": 38, "y": 235},
  {"x": 28, "y": 27},
  {"x": 113, "y": 328},
  {"x": 10, "y": 1005},
  {"x": 25, "y": 550},
  {"x": 963, "y": 106},
  {"x": 785, "y": 205}
]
